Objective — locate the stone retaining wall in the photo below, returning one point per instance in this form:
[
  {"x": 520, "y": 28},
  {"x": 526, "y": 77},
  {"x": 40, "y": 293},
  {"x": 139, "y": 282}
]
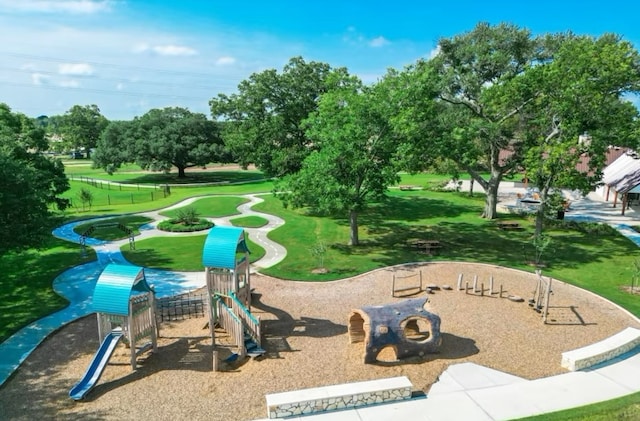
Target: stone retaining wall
[
  {"x": 602, "y": 351},
  {"x": 329, "y": 398}
]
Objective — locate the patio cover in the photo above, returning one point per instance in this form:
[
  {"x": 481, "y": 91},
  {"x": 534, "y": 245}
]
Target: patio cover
[{"x": 623, "y": 175}]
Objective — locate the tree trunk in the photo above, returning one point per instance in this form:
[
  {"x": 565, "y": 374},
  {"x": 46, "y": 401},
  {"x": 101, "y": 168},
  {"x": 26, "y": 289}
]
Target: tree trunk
[
  {"x": 181, "y": 173},
  {"x": 491, "y": 189},
  {"x": 544, "y": 194},
  {"x": 471, "y": 187},
  {"x": 353, "y": 226},
  {"x": 491, "y": 201}
]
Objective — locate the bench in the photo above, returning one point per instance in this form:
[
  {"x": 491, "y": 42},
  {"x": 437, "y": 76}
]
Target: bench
[
  {"x": 602, "y": 351},
  {"x": 342, "y": 396}
]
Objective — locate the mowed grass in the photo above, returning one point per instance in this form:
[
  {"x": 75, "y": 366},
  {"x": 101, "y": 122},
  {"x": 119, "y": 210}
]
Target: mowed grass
[
  {"x": 112, "y": 200},
  {"x": 600, "y": 262},
  {"x": 180, "y": 253},
  {"x": 211, "y": 207},
  {"x": 133, "y": 174},
  {"x": 624, "y": 408},
  {"x": 251, "y": 221},
  {"x": 25, "y": 283}
]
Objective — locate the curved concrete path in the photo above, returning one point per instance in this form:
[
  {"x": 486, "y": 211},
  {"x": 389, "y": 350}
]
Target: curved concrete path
[{"x": 76, "y": 284}]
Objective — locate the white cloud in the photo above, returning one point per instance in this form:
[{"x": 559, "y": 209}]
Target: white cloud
[
  {"x": 379, "y": 42},
  {"x": 174, "y": 50},
  {"x": 433, "y": 53},
  {"x": 70, "y": 83},
  {"x": 141, "y": 47},
  {"x": 39, "y": 78},
  {"x": 225, "y": 61},
  {"x": 76, "y": 69},
  {"x": 119, "y": 86},
  {"x": 56, "y": 6}
]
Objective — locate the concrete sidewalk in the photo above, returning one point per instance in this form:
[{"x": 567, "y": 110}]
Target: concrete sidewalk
[{"x": 471, "y": 392}]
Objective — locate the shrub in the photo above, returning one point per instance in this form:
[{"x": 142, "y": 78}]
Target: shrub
[
  {"x": 176, "y": 225},
  {"x": 187, "y": 216}
]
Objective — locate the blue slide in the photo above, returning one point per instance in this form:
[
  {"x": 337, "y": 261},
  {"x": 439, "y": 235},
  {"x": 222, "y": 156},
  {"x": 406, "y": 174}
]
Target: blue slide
[{"x": 93, "y": 373}]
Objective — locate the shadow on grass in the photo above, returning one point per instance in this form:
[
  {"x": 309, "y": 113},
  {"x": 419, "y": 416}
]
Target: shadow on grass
[
  {"x": 26, "y": 294},
  {"x": 148, "y": 257},
  {"x": 237, "y": 176}
]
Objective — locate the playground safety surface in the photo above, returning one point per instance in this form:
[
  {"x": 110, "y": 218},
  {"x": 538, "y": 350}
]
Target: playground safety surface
[{"x": 307, "y": 345}]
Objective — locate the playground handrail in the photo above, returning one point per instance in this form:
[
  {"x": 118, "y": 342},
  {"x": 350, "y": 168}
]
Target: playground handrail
[
  {"x": 232, "y": 324},
  {"x": 251, "y": 322}
]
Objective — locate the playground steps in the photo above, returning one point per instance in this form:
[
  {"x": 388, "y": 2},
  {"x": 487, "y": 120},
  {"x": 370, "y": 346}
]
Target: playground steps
[{"x": 253, "y": 349}]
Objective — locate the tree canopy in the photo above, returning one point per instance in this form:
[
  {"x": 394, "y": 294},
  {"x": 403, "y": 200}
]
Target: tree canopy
[
  {"x": 29, "y": 182},
  {"x": 82, "y": 127},
  {"x": 579, "y": 111},
  {"x": 162, "y": 139},
  {"x": 493, "y": 93},
  {"x": 353, "y": 162},
  {"x": 264, "y": 119}
]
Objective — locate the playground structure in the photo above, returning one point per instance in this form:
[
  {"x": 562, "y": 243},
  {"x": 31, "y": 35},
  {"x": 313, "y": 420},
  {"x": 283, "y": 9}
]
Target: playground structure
[
  {"x": 402, "y": 285},
  {"x": 125, "y": 307},
  {"x": 121, "y": 227},
  {"x": 226, "y": 260},
  {"x": 541, "y": 296},
  {"x": 405, "y": 327}
]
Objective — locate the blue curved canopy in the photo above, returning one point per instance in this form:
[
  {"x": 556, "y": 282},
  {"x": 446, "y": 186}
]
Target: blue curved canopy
[
  {"x": 221, "y": 246},
  {"x": 115, "y": 286}
]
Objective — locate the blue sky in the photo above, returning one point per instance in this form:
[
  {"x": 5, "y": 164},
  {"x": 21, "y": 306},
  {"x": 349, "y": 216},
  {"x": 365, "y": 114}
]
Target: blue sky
[{"x": 129, "y": 56}]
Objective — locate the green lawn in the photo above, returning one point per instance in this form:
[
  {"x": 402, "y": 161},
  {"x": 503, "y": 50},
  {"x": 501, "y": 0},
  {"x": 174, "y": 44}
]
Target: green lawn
[
  {"x": 133, "y": 174},
  {"x": 624, "y": 408},
  {"x": 112, "y": 200},
  {"x": 251, "y": 221},
  {"x": 212, "y": 207},
  {"x": 25, "y": 283},
  {"x": 176, "y": 253},
  {"x": 600, "y": 261}
]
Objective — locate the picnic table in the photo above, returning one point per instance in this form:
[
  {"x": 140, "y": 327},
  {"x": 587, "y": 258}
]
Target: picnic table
[
  {"x": 425, "y": 246},
  {"x": 508, "y": 225}
]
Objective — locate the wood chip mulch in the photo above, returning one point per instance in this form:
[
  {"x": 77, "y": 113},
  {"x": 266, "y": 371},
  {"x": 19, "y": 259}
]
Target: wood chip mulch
[{"x": 305, "y": 335}]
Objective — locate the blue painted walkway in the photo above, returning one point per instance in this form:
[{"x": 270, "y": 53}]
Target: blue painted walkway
[{"x": 76, "y": 285}]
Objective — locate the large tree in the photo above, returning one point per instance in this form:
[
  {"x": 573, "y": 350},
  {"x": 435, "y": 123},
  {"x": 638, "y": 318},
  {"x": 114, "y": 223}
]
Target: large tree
[
  {"x": 579, "y": 111},
  {"x": 162, "y": 139},
  {"x": 114, "y": 147},
  {"x": 82, "y": 127},
  {"x": 353, "y": 161},
  {"x": 479, "y": 75},
  {"x": 264, "y": 119},
  {"x": 30, "y": 182},
  {"x": 490, "y": 96}
]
